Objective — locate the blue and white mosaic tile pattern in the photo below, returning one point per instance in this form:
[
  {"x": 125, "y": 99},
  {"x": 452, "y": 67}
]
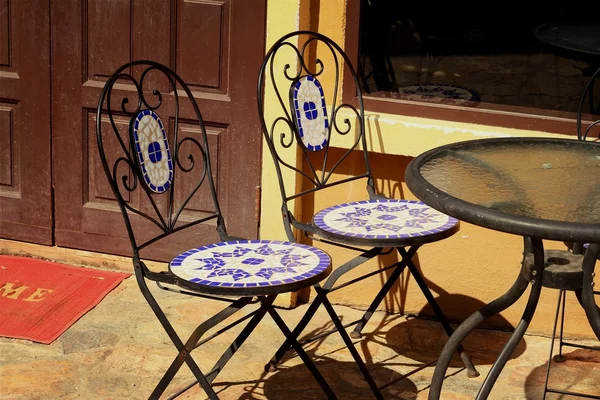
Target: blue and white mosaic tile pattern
[
  {"x": 311, "y": 113},
  {"x": 251, "y": 263},
  {"x": 383, "y": 219},
  {"x": 152, "y": 149}
]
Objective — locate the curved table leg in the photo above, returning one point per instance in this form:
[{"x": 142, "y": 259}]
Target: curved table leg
[
  {"x": 495, "y": 307},
  {"x": 512, "y": 343},
  {"x": 587, "y": 292},
  {"x": 461, "y": 332}
]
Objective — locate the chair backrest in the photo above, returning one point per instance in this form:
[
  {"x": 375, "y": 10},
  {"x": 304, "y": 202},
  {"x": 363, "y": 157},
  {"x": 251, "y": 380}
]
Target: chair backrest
[
  {"x": 589, "y": 105},
  {"x": 302, "y": 75},
  {"x": 153, "y": 166},
  {"x": 590, "y": 102}
]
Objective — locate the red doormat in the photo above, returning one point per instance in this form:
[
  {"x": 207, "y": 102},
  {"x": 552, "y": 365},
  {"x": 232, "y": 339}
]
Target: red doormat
[{"x": 39, "y": 299}]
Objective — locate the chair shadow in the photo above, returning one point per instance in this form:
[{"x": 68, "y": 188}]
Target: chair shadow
[
  {"x": 344, "y": 378},
  {"x": 579, "y": 373},
  {"x": 407, "y": 338}
]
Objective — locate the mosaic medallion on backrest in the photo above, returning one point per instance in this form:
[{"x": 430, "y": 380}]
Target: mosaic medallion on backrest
[
  {"x": 152, "y": 150},
  {"x": 310, "y": 112}
]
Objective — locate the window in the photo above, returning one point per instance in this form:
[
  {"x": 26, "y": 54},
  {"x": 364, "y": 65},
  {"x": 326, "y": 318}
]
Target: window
[{"x": 517, "y": 68}]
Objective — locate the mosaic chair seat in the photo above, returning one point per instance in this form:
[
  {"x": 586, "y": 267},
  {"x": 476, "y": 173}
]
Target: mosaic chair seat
[
  {"x": 157, "y": 171},
  {"x": 311, "y": 117},
  {"x": 589, "y": 102}
]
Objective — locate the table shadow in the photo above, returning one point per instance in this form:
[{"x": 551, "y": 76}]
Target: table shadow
[
  {"x": 579, "y": 373},
  {"x": 482, "y": 345}
]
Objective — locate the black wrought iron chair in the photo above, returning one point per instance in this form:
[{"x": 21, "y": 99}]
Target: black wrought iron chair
[
  {"x": 312, "y": 114},
  {"x": 155, "y": 172},
  {"x": 575, "y": 250}
]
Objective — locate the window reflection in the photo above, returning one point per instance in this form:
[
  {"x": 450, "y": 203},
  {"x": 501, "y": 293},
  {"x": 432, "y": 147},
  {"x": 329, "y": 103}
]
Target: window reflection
[{"x": 513, "y": 60}]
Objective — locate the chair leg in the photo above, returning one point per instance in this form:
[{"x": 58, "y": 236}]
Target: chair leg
[
  {"x": 291, "y": 339},
  {"x": 357, "y": 332},
  {"x": 359, "y": 361},
  {"x": 271, "y": 366},
  {"x": 184, "y": 350},
  {"x": 240, "y": 339},
  {"x": 471, "y": 370},
  {"x": 560, "y": 296},
  {"x": 184, "y": 353}
]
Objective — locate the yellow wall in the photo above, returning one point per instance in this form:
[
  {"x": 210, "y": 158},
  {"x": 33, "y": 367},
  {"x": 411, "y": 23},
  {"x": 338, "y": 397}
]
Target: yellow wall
[{"x": 471, "y": 268}]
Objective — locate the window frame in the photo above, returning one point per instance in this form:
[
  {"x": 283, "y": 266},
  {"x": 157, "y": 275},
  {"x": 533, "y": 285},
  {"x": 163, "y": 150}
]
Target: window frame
[{"x": 492, "y": 115}]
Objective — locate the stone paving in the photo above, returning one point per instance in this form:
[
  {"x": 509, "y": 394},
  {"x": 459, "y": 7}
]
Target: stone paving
[{"x": 118, "y": 350}]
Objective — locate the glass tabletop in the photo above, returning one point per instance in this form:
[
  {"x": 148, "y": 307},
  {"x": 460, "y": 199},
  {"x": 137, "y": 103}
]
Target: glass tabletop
[{"x": 549, "y": 188}]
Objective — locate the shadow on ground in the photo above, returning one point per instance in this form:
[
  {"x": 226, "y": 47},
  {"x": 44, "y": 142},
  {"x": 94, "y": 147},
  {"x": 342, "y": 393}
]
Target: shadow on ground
[
  {"x": 343, "y": 377},
  {"x": 579, "y": 373},
  {"x": 407, "y": 338}
]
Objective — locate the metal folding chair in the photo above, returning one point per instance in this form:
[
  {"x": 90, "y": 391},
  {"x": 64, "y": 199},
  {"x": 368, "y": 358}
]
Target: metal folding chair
[
  {"x": 302, "y": 72},
  {"x": 157, "y": 169},
  {"x": 587, "y": 99}
]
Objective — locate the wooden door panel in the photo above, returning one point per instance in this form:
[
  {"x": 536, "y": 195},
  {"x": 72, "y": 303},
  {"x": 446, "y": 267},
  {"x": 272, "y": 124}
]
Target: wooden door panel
[
  {"x": 98, "y": 188},
  {"x": 199, "y": 40},
  {"x": 25, "y": 174},
  {"x": 7, "y": 168},
  {"x": 4, "y": 33},
  {"x": 202, "y": 43},
  {"x": 108, "y": 24}
]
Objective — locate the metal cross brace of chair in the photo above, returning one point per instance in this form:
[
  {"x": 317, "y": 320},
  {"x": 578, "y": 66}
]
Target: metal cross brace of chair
[
  {"x": 154, "y": 171},
  {"x": 311, "y": 116}
]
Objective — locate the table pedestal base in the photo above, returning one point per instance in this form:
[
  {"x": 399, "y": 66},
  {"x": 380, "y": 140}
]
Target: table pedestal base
[{"x": 536, "y": 275}]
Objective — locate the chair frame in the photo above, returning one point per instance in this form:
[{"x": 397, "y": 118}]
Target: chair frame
[
  {"x": 129, "y": 105},
  {"x": 576, "y": 248},
  {"x": 406, "y": 248}
]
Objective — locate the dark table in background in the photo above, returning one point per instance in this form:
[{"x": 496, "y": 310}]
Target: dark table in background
[
  {"x": 579, "y": 38},
  {"x": 578, "y": 41}
]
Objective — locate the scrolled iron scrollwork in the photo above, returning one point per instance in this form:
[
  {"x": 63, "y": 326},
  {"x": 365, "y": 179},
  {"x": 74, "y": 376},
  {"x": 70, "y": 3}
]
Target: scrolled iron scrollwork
[
  {"x": 125, "y": 100},
  {"x": 318, "y": 161},
  {"x": 155, "y": 92},
  {"x": 588, "y": 96},
  {"x": 282, "y": 135},
  {"x": 190, "y": 156},
  {"x": 131, "y": 168},
  {"x": 125, "y": 174},
  {"x": 346, "y": 120},
  {"x": 191, "y": 160},
  {"x": 589, "y": 128}
]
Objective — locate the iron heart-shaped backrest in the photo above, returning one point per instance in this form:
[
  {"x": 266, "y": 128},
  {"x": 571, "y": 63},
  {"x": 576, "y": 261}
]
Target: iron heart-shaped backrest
[
  {"x": 152, "y": 166},
  {"x": 590, "y": 102},
  {"x": 303, "y": 75}
]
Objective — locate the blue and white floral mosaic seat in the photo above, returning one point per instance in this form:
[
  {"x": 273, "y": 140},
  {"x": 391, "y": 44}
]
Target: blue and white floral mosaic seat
[
  {"x": 252, "y": 266},
  {"x": 389, "y": 219}
]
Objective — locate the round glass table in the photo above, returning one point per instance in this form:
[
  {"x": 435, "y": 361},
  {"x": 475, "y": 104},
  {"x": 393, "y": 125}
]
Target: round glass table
[{"x": 538, "y": 188}]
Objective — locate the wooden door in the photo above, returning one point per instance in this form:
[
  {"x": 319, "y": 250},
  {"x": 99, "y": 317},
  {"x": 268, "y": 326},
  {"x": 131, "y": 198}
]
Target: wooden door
[
  {"x": 25, "y": 174},
  {"x": 215, "y": 46}
]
